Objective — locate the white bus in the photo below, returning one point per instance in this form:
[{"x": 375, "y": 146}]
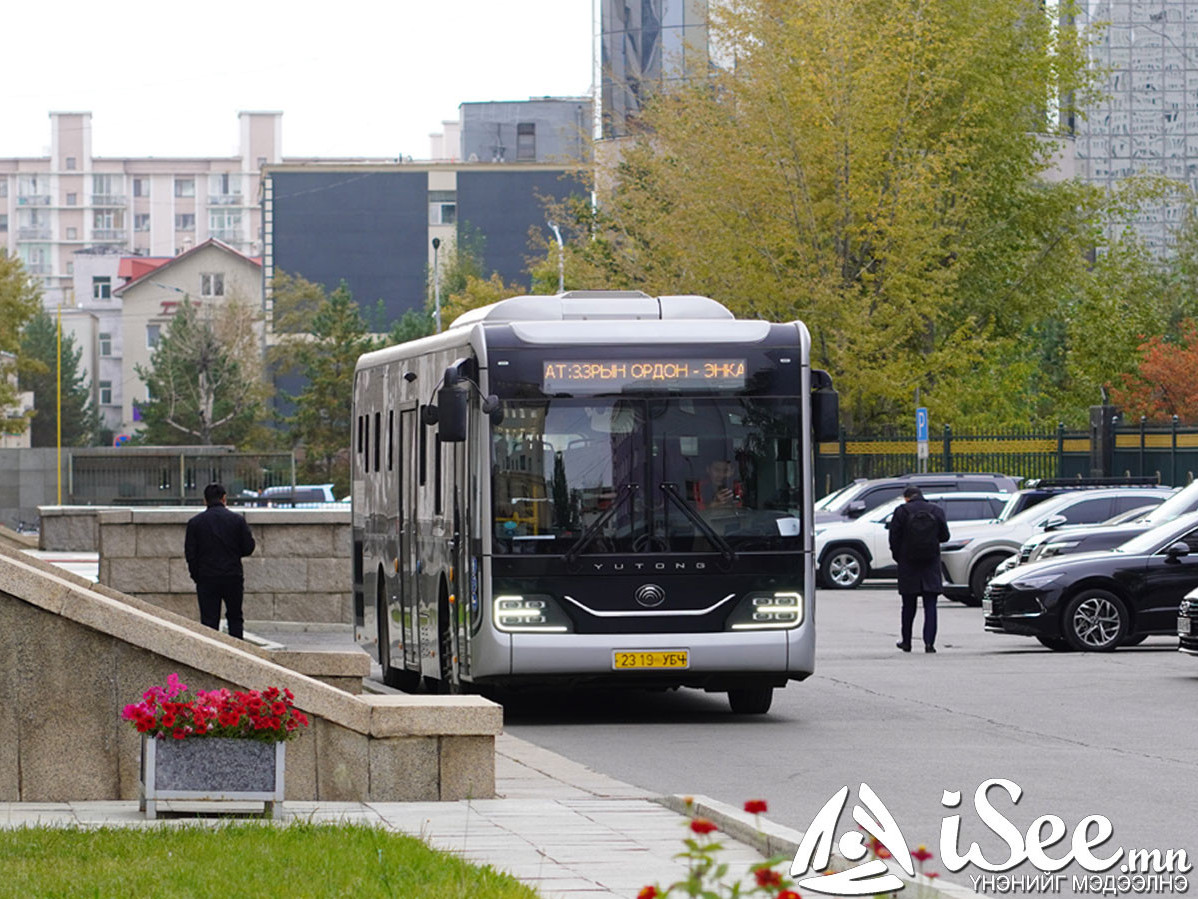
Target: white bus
[{"x": 598, "y": 487}]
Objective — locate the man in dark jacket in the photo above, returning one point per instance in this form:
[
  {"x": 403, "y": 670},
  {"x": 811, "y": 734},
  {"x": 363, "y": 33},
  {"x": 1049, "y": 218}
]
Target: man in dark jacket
[
  {"x": 917, "y": 528},
  {"x": 216, "y": 541}
]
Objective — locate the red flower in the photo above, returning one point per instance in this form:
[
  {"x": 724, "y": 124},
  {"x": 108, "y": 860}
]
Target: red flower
[
  {"x": 768, "y": 877},
  {"x": 882, "y": 852},
  {"x": 180, "y": 734},
  {"x": 921, "y": 854},
  {"x": 932, "y": 874},
  {"x": 789, "y": 894},
  {"x": 702, "y": 826},
  {"x": 649, "y": 892},
  {"x": 756, "y": 806}
]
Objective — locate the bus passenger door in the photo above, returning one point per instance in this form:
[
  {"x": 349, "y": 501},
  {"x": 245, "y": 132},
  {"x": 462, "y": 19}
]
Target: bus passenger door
[{"x": 407, "y": 531}]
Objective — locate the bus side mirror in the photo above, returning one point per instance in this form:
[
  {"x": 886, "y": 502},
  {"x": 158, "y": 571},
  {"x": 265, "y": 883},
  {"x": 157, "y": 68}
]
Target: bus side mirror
[
  {"x": 825, "y": 414},
  {"x": 493, "y": 409},
  {"x": 451, "y": 414}
]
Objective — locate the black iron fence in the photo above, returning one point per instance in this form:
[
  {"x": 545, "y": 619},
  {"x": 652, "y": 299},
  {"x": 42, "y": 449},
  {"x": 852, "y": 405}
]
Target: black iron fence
[
  {"x": 1110, "y": 448},
  {"x": 132, "y": 476}
]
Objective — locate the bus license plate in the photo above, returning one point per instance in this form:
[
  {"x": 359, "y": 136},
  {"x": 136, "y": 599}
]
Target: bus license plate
[
  {"x": 659, "y": 658},
  {"x": 1183, "y": 626}
]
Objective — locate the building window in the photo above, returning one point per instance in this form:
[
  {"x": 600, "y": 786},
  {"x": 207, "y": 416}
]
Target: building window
[
  {"x": 4, "y": 222},
  {"x": 526, "y": 141},
  {"x": 224, "y": 186},
  {"x": 141, "y": 221},
  {"x": 153, "y": 335},
  {"x": 101, "y": 287},
  {"x": 106, "y": 393},
  {"x": 141, "y": 187},
  {"x": 107, "y": 224},
  {"x": 106, "y": 189},
  {"x": 72, "y": 199},
  {"x": 105, "y": 344},
  {"x": 185, "y": 221},
  {"x": 70, "y": 268},
  {"x": 72, "y": 233},
  {"x": 224, "y": 224},
  {"x": 70, "y": 163},
  {"x": 442, "y": 207},
  {"x": 212, "y": 285},
  {"x": 185, "y": 187},
  {"x": 3, "y": 187}
]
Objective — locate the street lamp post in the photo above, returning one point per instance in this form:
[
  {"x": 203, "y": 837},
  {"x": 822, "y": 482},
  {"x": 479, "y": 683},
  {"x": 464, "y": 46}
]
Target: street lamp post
[
  {"x": 561, "y": 259},
  {"x": 436, "y": 285}
]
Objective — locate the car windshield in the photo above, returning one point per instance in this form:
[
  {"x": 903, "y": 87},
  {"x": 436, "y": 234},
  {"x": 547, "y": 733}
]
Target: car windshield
[
  {"x": 1178, "y": 504},
  {"x": 837, "y": 499},
  {"x": 1150, "y": 540},
  {"x": 646, "y": 475}
]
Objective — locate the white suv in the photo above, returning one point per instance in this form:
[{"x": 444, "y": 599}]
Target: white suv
[
  {"x": 847, "y": 552},
  {"x": 974, "y": 551}
]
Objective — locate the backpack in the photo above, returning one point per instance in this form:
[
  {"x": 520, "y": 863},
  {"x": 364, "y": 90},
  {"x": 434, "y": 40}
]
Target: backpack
[{"x": 921, "y": 537}]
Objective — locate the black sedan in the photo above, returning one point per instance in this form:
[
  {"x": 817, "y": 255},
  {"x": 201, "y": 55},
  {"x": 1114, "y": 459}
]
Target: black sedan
[
  {"x": 1098, "y": 601},
  {"x": 1187, "y": 623}
]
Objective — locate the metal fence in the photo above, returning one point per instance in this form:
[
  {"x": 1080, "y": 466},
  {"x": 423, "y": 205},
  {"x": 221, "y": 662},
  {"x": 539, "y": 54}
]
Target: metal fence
[
  {"x": 129, "y": 476},
  {"x": 1169, "y": 453}
]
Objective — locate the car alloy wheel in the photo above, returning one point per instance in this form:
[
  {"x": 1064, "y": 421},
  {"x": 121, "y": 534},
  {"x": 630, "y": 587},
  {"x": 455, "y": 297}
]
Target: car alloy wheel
[
  {"x": 843, "y": 568},
  {"x": 1095, "y": 621}
]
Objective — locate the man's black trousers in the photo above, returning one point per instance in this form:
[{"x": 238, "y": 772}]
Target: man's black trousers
[{"x": 211, "y": 592}]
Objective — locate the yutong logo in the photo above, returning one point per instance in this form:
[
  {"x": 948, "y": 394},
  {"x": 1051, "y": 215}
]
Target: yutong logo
[
  {"x": 1139, "y": 870},
  {"x": 612, "y": 567}
]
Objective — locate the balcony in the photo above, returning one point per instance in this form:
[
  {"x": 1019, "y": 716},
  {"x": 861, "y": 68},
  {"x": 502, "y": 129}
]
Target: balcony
[
  {"x": 108, "y": 200},
  {"x": 226, "y": 199},
  {"x": 35, "y": 232},
  {"x": 109, "y": 234},
  {"x": 38, "y": 268},
  {"x": 33, "y": 200},
  {"x": 227, "y": 235}
]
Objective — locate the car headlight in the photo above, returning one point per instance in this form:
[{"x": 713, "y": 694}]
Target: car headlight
[
  {"x": 532, "y": 613},
  {"x": 954, "y": 545},
  {"x": 1033, "y": 581},
  {"x": 767, "y": 611}
]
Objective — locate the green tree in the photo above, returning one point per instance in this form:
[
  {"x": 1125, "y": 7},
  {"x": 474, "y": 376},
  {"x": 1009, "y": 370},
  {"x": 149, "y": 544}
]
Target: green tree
[
  {"x": 326, "y": 333},
  {"x": 40, "y": 356},
  {"x": 883, "y": 184},
  {"x": 205, "y": 379},
  {"x": 20, "y": 298}
]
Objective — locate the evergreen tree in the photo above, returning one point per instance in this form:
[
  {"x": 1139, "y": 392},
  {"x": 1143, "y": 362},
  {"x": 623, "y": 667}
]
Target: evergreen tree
[
  {"x": 204, "y": 379},
  {"x": 81, "y": 424}
]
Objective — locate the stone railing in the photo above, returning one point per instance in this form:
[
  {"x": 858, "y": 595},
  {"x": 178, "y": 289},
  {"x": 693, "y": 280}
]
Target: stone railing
[
  {"x": 300, "y": 570},
  {"x": 74, "y": 653}
]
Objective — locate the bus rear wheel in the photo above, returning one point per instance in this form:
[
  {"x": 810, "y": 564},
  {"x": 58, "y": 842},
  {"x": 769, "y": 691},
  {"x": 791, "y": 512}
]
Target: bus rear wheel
[{"x": 750, "y": 700}]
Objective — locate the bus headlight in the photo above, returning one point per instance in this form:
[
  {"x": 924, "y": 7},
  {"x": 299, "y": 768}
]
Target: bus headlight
[
  {"x": 535, "y": 613},
  {"x": 767, "y": 611}
]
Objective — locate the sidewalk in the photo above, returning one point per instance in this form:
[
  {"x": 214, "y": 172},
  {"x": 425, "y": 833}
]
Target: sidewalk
[{"x": 561, "y": 828}]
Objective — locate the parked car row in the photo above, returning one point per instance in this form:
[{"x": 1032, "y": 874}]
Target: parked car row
[
  {"x": 1078, "y": 565},
  {"x": 301, "y": 496}
]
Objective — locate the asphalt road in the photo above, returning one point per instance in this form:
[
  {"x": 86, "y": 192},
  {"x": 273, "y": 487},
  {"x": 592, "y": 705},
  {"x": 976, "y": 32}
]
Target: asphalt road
[{"x": 1082, "y": 734}]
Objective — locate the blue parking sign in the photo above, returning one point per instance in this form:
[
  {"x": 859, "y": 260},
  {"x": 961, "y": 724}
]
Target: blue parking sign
[{"x": 921, "y": 424}]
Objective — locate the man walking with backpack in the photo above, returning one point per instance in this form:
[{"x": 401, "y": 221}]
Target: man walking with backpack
[{"x": 917, "y": 528}]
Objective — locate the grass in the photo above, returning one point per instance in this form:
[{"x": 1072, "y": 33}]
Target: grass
[{"x": 238, "y": 859}]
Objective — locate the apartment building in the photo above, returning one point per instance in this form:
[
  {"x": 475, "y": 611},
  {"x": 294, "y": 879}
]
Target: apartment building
[{"x": 52, "y": 206}]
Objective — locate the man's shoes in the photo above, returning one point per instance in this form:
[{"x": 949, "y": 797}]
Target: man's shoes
[
  {"x": 928, "y": 647},
  {"x": 905, "y": 647}
]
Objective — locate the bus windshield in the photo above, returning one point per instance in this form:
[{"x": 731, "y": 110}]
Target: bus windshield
[{"x": 644, "y": 475}]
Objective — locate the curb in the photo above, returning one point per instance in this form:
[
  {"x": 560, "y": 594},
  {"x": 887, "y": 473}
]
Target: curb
[{"x": 772, "y": 839}]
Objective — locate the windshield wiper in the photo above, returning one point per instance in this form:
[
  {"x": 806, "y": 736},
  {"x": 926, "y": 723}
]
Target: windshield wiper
[
  {"x": 596, "y": 526},
  {"x": 670, "y": 489}
]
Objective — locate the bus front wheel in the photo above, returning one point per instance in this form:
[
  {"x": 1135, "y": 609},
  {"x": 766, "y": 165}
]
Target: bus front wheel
[{"x": 750, "y": 700}]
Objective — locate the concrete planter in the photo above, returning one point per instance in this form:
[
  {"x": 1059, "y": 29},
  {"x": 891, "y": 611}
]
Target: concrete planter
[{"x": 211, "y": 769}]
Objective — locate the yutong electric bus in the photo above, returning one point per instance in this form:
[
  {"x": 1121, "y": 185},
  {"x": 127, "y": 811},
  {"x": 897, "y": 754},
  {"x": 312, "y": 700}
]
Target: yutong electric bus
[{"x": 595, "y": 487}]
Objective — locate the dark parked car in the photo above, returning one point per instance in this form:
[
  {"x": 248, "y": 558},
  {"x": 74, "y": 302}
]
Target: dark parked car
[
  {"x": 857, "y": 498},
  {"x": 1099, "y": 601},
  {"x": 1187, "y": 623}
]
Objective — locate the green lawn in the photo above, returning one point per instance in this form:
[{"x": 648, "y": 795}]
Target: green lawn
[{"x": 238, "y": 859}]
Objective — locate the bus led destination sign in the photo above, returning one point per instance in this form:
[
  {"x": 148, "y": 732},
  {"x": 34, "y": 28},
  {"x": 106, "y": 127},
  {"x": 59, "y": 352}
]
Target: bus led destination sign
[{"x": 594, "y": 375}]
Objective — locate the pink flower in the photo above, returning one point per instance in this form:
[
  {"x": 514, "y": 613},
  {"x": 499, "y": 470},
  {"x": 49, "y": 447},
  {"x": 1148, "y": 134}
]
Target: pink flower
[{"x": 921, "y": 854}]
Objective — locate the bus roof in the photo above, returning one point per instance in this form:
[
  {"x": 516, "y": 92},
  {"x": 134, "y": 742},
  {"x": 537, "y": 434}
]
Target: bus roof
[{"x": 601, "y": 305}]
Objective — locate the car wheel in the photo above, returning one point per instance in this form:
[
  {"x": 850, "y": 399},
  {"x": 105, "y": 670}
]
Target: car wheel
[
  {"x": 980, "y": 577},
  {"x": 751, "y": 700},
  {"x": 843, "y": 568},
  {"x": 1057, "y": 644},
  {"x": 1095, "y": 621}
]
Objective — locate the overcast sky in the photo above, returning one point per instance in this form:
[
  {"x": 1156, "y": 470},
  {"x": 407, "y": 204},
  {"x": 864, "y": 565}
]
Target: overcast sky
[{"x": 352, "y": 77}]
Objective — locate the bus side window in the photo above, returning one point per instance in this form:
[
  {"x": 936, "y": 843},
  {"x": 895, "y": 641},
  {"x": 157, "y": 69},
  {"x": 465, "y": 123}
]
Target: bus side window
[
  {"x": 420, "y": 462},
  {"x": 438, "y": 505}
]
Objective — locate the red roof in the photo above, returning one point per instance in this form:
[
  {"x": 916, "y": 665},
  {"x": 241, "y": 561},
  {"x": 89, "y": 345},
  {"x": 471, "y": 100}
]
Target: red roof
[{"x": 133, "y": 267}]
